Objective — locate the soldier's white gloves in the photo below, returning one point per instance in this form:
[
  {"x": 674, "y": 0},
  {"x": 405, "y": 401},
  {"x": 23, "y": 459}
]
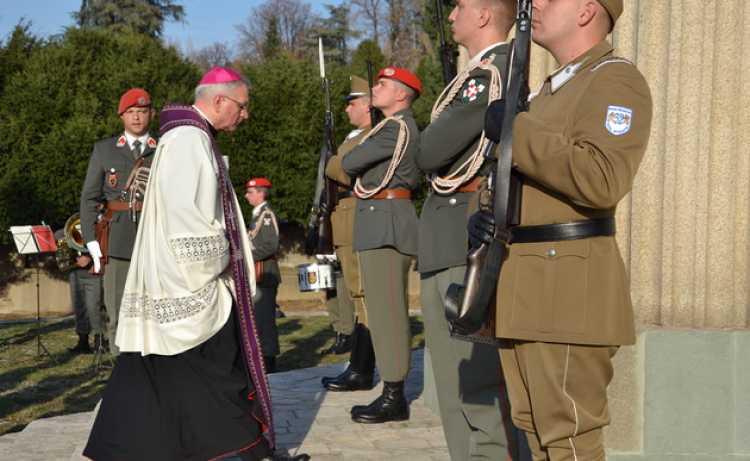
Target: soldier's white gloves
[
  {"x": 330, "y": 258},
  {"x": 96, "y": 254}
]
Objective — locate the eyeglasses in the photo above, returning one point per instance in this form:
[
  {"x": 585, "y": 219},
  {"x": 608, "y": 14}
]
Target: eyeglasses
[{"x": 241, "y": 106}]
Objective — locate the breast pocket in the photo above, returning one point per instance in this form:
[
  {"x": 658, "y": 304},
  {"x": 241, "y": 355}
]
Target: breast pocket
[
  {"x": 550, "y": 290},
  {"x": 115, "y": 176}
]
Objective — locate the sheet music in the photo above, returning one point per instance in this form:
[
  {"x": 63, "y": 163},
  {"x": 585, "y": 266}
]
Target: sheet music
[{"x": 33, "y": 239}]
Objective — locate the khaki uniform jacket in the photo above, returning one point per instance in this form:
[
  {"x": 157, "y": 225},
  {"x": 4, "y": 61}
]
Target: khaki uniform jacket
[
  {"x": 264, "y": 239},
  {"x": 578, "y": 148},
  {"x": 108, "y": 171},
  {"x": 444, "y": 145},
  {"x": 380, "y": 223},
  {"x": 342, "y": 218}
]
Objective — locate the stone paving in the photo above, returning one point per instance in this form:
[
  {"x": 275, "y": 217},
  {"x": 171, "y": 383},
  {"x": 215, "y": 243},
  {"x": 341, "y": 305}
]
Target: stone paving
[{"x": 307, "y": 418}]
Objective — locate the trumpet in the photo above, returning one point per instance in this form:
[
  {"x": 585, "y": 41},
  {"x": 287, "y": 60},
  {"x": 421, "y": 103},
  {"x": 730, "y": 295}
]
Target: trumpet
[{"x": 71, "y": 246}]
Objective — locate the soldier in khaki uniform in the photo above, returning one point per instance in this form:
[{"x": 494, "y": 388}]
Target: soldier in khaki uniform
[
  {"x": 563, "y": 304},
  {"x": 385, "y": 236},
  {"x": 468, "y": 375},
  {"x": 349, "y": 295}
]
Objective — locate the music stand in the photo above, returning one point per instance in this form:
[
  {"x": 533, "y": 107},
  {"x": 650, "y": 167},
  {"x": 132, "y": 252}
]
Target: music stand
[
  {"x": 99, "y": 349},
  {"x": 35, "y": 240}
]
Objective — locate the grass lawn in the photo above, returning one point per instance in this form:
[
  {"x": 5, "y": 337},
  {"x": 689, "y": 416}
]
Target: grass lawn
[{"x": 33, "y": 386}]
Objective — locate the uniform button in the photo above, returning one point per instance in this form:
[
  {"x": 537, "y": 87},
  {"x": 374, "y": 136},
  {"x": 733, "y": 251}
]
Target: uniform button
[
  {"x": 372, "y": 208},
  {"x": 551, "y": 252},
  {"x": 452, "y": 201}
]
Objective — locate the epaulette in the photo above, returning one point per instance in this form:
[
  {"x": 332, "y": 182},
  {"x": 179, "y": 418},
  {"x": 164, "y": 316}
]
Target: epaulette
[{"x": 609, "y": 61}]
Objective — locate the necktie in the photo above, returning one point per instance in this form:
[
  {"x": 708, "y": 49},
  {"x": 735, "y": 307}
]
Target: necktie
[{"x": 136, "y": 149}]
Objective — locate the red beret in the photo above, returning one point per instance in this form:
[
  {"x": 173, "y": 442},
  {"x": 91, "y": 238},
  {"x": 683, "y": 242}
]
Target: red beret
[
  {"x": 135, "y": 97},
  {"x": 403, "y": 76},
  {"x": 258, "y": 182}
]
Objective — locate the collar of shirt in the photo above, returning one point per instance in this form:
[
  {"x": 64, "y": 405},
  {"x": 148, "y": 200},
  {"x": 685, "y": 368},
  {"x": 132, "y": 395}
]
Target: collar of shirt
[
  {"x": 479, "y": 55},
  {"x": 353, "y": 134},
  {"x": 257, "y": 209},
  {"x": 143, "y": 139},
  {"x": 204, "y": 116}
]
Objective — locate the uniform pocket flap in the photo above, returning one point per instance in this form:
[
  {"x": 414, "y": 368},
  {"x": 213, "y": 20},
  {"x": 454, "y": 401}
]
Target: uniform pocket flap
[{"x": 555, "y": 250}]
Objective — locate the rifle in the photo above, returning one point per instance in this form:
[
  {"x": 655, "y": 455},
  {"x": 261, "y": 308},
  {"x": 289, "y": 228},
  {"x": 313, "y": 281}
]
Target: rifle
[
  {"x": 319, "y": 228},
  {"x": 447, "y": 55},
  {"x": 469, "y": 308}
]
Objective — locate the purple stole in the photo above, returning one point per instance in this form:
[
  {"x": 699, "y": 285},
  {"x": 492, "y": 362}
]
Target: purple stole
[{"x": 172, "y": 116}]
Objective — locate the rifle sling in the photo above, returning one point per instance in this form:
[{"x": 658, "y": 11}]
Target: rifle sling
[{"x": 472, "y": 318}]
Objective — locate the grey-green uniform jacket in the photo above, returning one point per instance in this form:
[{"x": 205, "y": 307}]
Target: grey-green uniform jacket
[
  {"x": 382, "y": 223},
  {"x": 264, "y": 237},
  {"x": 109, "y": 168},
  {"x": 444, "y": 145},
  {"x": 578, "y": 148}
]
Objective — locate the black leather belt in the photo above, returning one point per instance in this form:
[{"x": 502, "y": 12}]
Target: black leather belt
[
  {"x": 346, "y": 194},
  {"x": 603, "y": 227}
]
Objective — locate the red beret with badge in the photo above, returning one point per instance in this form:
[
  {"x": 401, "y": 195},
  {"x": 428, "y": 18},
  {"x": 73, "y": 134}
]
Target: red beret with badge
[
  {"x": 133, "y": 98},
  {"x": 403, "y": 76},
  {"x": 262, "y": 182}
]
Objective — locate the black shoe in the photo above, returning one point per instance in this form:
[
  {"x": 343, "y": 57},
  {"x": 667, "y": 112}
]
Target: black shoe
[
  {"x": 342, "y": 345},
  {"x": 82, "y": 347},
  {"x": 349, "y": 381},
  {"x": 270, "y": 362},
  {"x": 278, "y": 313},
  {"x": 360, "y": 373},
  {"x": 282, "y": 457},
  {"x": 390, "y": 406}
]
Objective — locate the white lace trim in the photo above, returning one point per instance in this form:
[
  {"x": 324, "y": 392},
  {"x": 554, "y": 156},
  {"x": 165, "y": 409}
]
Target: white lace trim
[
  {"x": 193, "y": 249},
  {"x": 166, "y": 310}
]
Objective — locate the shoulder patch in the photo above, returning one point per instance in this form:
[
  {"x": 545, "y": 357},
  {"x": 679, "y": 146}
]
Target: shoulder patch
[
  {"x": 610, "y": 61},
  {"x": 472, "y": 90},
  {"x": 618, "y": 120}
]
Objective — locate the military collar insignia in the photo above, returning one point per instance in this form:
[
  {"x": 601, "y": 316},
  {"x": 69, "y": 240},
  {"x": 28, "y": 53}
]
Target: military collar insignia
[
  {"x": 122, "y": 140},
  {"x": 564, "y": 74},
  {"x": 472, "y": 90}
]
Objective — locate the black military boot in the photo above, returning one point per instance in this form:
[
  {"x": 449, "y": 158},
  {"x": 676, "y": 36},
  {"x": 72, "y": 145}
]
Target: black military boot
[
  {"x": 342, "y": 345},
  {"x": 390, "y": 406},
  {"x": 82, "y": 347},
  {"x": 360, "y": 373}
]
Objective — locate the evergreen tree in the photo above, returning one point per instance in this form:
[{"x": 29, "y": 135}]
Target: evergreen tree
[
  {"x": 63, "y": 102},
  {"x": 335, "y": 32},
  {"x": 144, "y": 16},
  {"x": 282, "y": 137},
  {"x": 368, "y": 50},
  {"x": 16, "y": 51},
  {"x": 272, "y": 45}
]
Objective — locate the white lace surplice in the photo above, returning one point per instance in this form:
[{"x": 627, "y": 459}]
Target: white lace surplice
[{"x": 176, "y": 296}]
